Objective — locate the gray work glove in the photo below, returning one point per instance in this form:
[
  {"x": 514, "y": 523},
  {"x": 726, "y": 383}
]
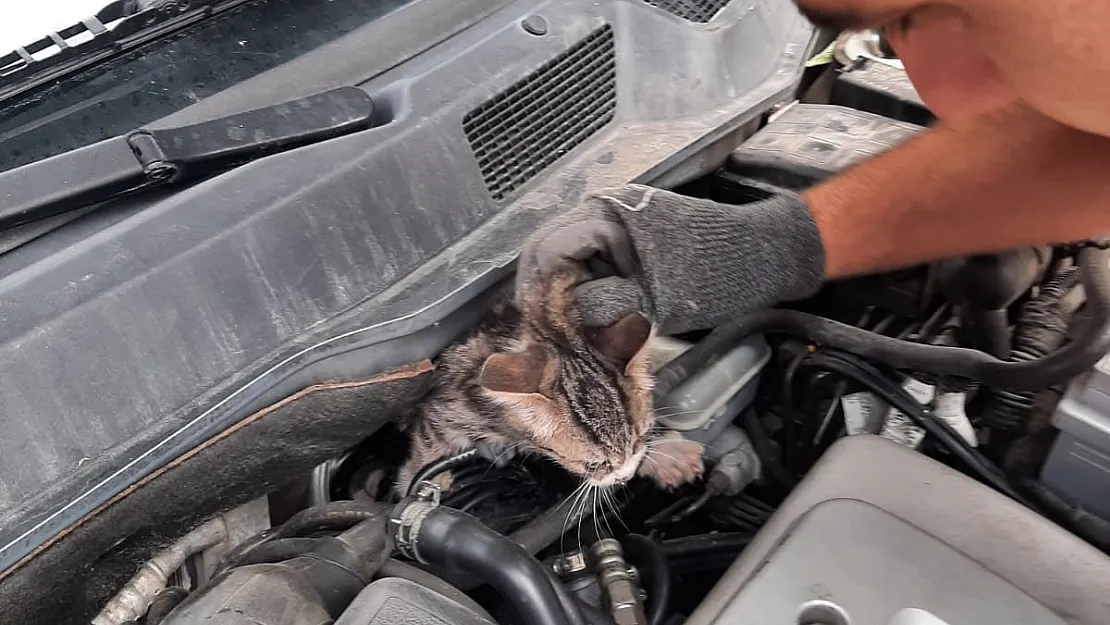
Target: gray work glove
[{"x": 689, "y": 264}]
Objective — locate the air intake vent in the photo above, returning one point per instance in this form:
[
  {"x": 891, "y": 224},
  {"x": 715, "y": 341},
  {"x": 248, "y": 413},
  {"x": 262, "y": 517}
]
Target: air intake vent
[
  {"x": 529, "y": 126},
  {"x": 698, "y": 11}
]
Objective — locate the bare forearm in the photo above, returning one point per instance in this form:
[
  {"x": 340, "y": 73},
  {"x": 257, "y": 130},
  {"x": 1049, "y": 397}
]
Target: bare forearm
[{"x": 1009, "y": 179}]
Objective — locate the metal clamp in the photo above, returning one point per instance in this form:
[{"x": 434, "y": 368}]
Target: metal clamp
[{"x": 404, "y": 523}]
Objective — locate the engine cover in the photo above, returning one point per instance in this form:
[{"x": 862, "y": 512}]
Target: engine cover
[
  {"x": 397, "y": 601},
  {"x": 878, "y": 534},
  {"x": 847, "y": 561}
]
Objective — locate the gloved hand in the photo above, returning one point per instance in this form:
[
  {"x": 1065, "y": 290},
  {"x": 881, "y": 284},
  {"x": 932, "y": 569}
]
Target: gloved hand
[{"x": 689, "y": 264}]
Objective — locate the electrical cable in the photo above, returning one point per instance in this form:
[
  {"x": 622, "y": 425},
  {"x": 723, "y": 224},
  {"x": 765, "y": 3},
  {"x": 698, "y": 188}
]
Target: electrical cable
[
  {"x": 432, "y": 469},
  {"x": 1058, "y": 367},
  {"x": 859, "y": 371}
]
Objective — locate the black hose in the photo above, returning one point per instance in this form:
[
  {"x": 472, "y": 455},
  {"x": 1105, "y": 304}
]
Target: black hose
[
  {"x": 761, "y": 442},
  {"x": 1091, "y": 528},
  {"x": 648, "y": 558},
  {"x": 706, "y": 552},
  {"x": 549, "y": 525},
  {"x": 702, "y": 544},
  {"x": 335, "y": 516},
  {"x": 432, "y": 469},
  {"x": 457, "y": 541},
  {"x": 741, "y": 514},
  {"x": 991, "y": 329},
  {"x": 404, "y": 570},
  {"x": 239, "y": 551},
  {"x": 572, "y": 605},
  {"x": 1041, "y": 328},
  {"x": 1056, "y": 368},
  {"x": 277, "y": 550},
  {"x": 164, "y": 602},
  {"x": 332, "y": 516}
]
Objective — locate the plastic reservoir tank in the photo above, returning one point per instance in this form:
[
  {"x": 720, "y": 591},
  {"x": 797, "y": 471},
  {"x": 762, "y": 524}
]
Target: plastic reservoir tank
[{"x": 706, "y": 404}]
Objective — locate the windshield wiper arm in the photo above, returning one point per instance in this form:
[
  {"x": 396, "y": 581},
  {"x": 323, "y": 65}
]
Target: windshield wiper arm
[{"x": 146, "y": 158}]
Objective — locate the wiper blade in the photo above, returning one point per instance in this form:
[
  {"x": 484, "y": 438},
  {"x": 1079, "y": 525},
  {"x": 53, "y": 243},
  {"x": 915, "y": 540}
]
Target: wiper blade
[
  {"x": 147, "y": 158},
  {"x": 117, "y": 28}
]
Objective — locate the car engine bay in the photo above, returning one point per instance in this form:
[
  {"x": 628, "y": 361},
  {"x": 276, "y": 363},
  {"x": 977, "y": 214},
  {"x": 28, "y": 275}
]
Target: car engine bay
[
  {"x": 929, "y": 446},
  {"x": 873, "y": 455}
]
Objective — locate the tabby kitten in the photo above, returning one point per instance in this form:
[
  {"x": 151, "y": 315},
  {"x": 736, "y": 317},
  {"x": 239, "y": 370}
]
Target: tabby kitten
[{"x": 532, "y": 379}]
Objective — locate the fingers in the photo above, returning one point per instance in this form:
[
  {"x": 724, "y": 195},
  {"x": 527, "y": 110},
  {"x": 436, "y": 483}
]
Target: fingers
[
  {"x": 608, "y": 300},
  {"x": 571, "y": 241},
  {"x": 578, "y": 236},
  {"x": 578, "y": 240}
]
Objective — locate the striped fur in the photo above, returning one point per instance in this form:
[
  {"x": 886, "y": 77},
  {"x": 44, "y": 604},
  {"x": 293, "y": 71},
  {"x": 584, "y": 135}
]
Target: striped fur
[{"x": 580, "y": 399}]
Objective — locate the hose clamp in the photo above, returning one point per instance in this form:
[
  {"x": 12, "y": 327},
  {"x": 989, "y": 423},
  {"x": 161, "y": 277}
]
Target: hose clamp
[{"x": 408, "y": 516}]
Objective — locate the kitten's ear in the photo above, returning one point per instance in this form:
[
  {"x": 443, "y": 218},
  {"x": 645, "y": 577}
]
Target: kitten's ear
[
  {"x": 514, "y": 372},
  {"x": 624, "y": 339}
]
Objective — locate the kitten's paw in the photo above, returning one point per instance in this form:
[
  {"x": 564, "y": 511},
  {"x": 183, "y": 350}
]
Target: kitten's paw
[
  {"x": 672, "y": 461},
  {"x": 498, "y": 454}
]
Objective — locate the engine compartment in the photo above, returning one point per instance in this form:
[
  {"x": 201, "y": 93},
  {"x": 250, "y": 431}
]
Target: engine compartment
[{"x": 845, "y": 485}]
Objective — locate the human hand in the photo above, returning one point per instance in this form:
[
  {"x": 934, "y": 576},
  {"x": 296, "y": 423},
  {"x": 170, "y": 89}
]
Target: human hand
[{"x": 687, "y": 263}]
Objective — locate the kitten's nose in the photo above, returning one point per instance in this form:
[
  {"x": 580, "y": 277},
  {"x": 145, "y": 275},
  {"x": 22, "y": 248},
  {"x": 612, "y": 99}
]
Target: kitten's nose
[
  {"x": 625, "y": 472},
  {"x": 627, "y": 469}
]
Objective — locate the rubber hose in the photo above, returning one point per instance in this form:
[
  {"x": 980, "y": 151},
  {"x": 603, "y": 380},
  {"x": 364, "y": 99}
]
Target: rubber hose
[
  {"x": 333, "y": 516},
  {"x": 404, "y": 570},
  {"x": 1056, "y": 368},
  {"x": 457, "y": 541},
  {"x": 572, "y": 606},
  {"x": 707, "y": 552},
  {"x": 277, "y": 550},
  {"x": 1041, "y": 328},
  {"x": 1091, "y": 528},
  {"x": 705, "y": 544},
  {"x": 761, "y": 442},
  {"x": 741, "y": 514},
  {"x": 243, "y": 548},
  {"x": 433, "y": 469},
  {"x": 548, "y": 526},
  {"x": 992, "y": 328},
  {"x": 648, "y": 558},
  {"x": 164, "y": 603}
]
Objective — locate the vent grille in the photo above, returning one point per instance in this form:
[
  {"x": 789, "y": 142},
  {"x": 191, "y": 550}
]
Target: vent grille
[
  {"x": 697, "y": 11},
  {"x": 528, "y": 127}
]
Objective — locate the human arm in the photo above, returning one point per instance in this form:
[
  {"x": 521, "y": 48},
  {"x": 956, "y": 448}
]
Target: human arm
[
  {"x": 998, "y": 181},
  {"x": 994, "y": 182}
]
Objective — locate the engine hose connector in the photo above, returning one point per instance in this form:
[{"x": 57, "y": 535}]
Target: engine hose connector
[
  {"x": 408, "y": 516},
  {"x": 454, "y": 540},
  {"x": 620, "y": 583}
]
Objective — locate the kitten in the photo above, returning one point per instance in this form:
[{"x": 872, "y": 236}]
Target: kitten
[{"x": 536, "y": 381}]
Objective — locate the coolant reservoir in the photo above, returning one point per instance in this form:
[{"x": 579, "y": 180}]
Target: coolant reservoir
[{"x": 706, "y": 404}]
